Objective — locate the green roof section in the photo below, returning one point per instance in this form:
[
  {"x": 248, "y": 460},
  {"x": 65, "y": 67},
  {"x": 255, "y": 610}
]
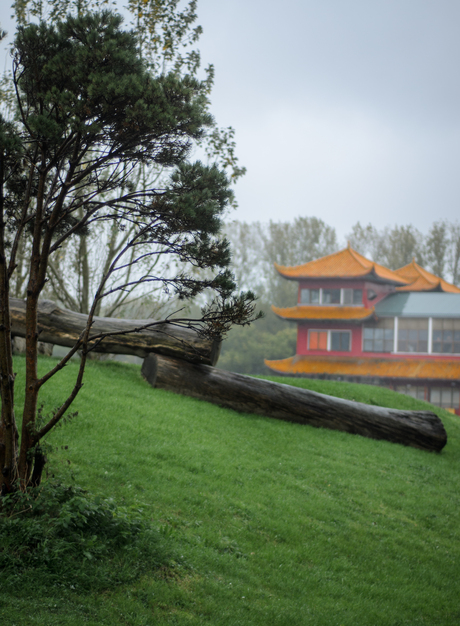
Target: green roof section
[{"x": 432, "y": 304}]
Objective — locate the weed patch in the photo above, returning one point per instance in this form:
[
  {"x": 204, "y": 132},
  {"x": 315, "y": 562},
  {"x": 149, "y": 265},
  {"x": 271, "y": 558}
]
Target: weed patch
[{"x": 61, "y": 534}]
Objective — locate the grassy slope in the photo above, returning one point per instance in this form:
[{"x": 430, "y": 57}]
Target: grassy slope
[{"x": 277, "y": 523}]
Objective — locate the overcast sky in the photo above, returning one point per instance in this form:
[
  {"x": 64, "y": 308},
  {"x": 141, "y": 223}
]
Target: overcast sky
[{"x": 343, "y": 109}]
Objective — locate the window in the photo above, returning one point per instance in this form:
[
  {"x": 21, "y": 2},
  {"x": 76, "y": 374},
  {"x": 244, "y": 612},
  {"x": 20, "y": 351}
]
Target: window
[
  {"x": 414, "y": 391},
  {"x": 446, "y": 336},
  {"x": 331, "y": 296},
  {"x": 309, "y": 296},
  {"x": 412, "y": 335},
  {"x": 340, "y": 341},
  {"x": 446, "y": 397},
  {"x": 332, "y": 340},
  {"x": 352, "y": 296},
  {"x": 317, "y": 340},
  {"x": 379, "y": 336}
]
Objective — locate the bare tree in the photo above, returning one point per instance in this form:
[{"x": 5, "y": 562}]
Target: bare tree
[{"x": 436, "y": 245}]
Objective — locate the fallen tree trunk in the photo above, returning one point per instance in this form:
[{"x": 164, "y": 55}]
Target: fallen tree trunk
[
  {"x": 419, "y": 429},
  {"x": 62, "y": 327}
]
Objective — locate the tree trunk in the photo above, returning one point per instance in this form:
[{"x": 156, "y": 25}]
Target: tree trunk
[
  {"x": 419, "y": 429},
  {"x": 63, "y": 327}
]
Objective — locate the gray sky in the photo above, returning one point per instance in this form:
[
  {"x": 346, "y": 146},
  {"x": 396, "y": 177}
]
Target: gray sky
[{"x": 344, "y": 109}]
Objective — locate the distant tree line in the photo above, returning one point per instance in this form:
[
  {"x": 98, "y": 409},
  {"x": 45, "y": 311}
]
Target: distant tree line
[
  {"x": 257, "y": 246},
  {"x": 438, "y": 251}
]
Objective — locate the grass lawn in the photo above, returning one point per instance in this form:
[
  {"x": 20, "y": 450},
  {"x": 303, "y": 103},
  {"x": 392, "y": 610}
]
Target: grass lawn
[{"x": 270, "y": 523}]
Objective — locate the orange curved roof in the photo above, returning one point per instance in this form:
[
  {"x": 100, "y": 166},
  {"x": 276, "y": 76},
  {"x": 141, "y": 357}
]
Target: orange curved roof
[
  {"x": 346, "y": 263},
  {"x": 352, "y": 366},
  {"x": 346, "y": 313},
  {"x": 421, "y": 280}
]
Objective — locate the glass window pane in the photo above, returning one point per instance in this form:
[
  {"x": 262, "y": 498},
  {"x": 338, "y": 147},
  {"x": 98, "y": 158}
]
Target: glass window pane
[
  {"x": 378, "y": 345},
  {"x": 455, "y": 398},
  {"x": 446, "y": 397},
  {"x": 335, "y": 342},
  {"x": 348, "y": 296},
  {"x": 413, "y": 335},
  {"x": 335, "y": 296},
  {"x": 435, "y": 396},
  {"x": 422, "y": 346},
  {"x": 314, "y": 296},
  {"x": 368, "y": 345},
  {"x": 357, "y": 296},
  {"x": 331, "y": 296},
  {"x": 313, "y": 340},
  {"x": 340, "y": 341},
  {"x": 368, "y": 333},
  {"x": 304, "y": 296},
  {"x": 403, "y": 335},
  {"x": 414, "y": 323},
  {"x": 322, "y": 343}
]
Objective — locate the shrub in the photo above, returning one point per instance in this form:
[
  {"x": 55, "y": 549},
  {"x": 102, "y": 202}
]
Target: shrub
[{"x": 63, "y": 535}]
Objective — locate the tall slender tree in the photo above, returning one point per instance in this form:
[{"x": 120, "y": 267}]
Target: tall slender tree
[
  {"x": 89, "y": 115},
  {"x": 436, "y": 245}
]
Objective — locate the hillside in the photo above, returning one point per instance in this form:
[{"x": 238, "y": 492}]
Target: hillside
[{"x": 270, "y": 522}]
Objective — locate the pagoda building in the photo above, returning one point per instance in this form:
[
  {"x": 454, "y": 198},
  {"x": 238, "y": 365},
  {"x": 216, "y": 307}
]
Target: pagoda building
[{"x": 362, "y": 322}]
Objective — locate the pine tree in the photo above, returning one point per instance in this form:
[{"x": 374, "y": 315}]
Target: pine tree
[{"x": 89, "y": 115}]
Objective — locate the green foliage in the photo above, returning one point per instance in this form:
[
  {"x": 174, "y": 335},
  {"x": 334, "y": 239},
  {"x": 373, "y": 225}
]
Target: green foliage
[
  {"x": 438, "y": 250},
  {"x": 85, "y": 76},
  {"x": 437, "y": 244},
  {"x": 277, "y": 523},
  {"x": 257, "y": 246},
  {"x": 245, "y": 348},
  {"x": 61, "y": 534}
]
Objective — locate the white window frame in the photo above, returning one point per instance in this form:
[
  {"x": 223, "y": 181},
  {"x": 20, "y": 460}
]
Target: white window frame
[
  {"x": 395, "y": 337},
  {"x": 321, "y": 303},
  {"x": 430, "y": 335}
]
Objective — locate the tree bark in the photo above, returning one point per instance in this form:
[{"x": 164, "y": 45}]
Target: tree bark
[
  {"x": 63, "y": 327},
  {"x": 419, "y": 429}
]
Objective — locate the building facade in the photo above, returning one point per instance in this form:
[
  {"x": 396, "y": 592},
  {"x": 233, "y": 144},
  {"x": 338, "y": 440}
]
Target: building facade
[{"x": 361, "y": 322}]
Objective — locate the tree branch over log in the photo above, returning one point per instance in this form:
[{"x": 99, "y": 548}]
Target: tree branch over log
[
  {"x": 419, "y": 429},
  {"x": 117, "y": 336}
]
